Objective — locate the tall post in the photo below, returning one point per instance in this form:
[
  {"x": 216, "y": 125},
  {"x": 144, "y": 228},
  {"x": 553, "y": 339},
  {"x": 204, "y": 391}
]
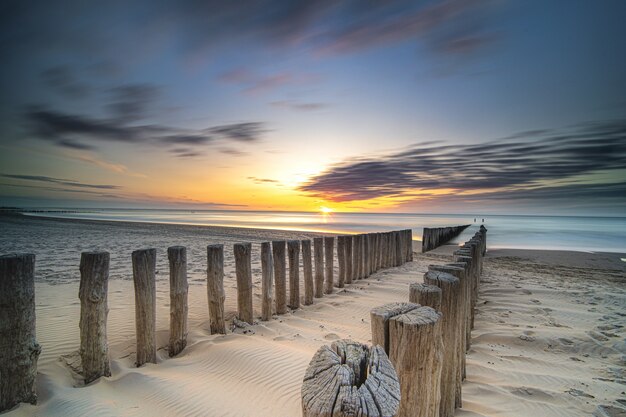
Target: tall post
[
  {"x": 243, "y": 270},
  {"x": 341, "y": 259},
  {"x": 93, "y": 290},
  {"x": 144, "y": 278},
  {"x": 366, "y": 255},
  {"x": 177, "y": 256},
  {"x": 349, "y": 260},
  {"x": 329, "y": 246},
  {"x": 215, "y": 288},
  {"x": 307, "y": 270},
  {"x": 19, "y": 349},
  {"x": 399, "y": 250},
  {"x": 267, "y": 284},
  {"x": 425, "y": 295},
  {"x": 318, "y": 251},
  {"x": 356, "y": 257},
  {"x": 280, "y": 279},
  {"x": 293, "y": 253}
]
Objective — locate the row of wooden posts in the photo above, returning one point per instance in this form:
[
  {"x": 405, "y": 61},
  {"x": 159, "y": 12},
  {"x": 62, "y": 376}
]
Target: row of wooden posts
[
  {"x": 425, "y": 341},
  {"x": 358, "y": 257}
]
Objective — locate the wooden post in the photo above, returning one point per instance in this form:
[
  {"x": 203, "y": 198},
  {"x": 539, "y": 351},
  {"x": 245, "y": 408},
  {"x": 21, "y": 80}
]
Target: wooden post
[
  {"x": 177, "y": 256},
  {"x": 318, "y": 252},
  {"x": 349, "y": 259},
  {"x": 379, "y": 319},
  {"x": 267, "y": 281},
  {"x": 215, "y": 288},
  {"x": 410, "y": 248},
  {"x": 356, "y": 257},
  {"x": 280, "y": 278},
  {"x": 341, "y": 259},
  {"x": 366, "y": 255},
  {"x": 293, "y": 253},
  {"x": 348, "y": 379},
  {"x": 307, "y": 269},
  {"x": 450, "y": 325},
  {"x": 144, "y": 278},
  {"x": 243, "y": 270},
  {"x": 392, "y": 244},
  {"x": 425, "y": 295},
  {"x": 19, "y": 349},
  {"x": 329, "y": 245},
  {"x": 93, "y": 290},
  {"x": 416, "y": 351},
  {"x": 399, "y": 250}
]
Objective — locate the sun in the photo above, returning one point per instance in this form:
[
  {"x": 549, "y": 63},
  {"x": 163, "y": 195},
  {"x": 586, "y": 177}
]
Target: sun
[{"x": 326, "y": 210}]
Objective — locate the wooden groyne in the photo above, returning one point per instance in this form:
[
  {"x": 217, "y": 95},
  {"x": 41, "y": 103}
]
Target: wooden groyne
[
  {"x": 433, "y": 237},
  {"x": 359, "y": 256}
]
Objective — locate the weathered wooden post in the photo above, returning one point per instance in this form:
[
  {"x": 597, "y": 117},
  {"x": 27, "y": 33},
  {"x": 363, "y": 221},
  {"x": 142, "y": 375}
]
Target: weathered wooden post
[
  {"x": 392, "y": 244},
  {"x": 341, "y": 259},
  {"x": 379, "y": 319},
  {"x": 280, "y": 278},
  {"x": 215, "y": 288},
  {"x": 93, "y": 290},
  {"x": 399, "y": 249},
  {"x": 363, "y": 256},
  {"x": 318, "y": 252},
  {"x": 19, "y": 349},
  {"x": 425, "y": 295},
  {"x": 307, "y": 269},
  {"x": 177, "y": 256},
  {"x": 267, "y": 281},
  {"x": 243, "y": 270},
  {"x": 450, "y": 324},
  {"x": 356, "y": 257},
  {"x": 349, "y": 259},
  {"x": 416, "y": 351},
  {"x": 349, "y": 379},
  {"x": 410, "y": 244},
  {"x": 329, "y": 246},
  {"x": 144, "y": 278},
  {"x": 293, "y": 253},
  {"x": 366, "y": 255}
]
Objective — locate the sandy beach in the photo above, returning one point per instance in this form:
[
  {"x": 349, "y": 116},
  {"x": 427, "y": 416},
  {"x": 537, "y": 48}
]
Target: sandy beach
[{"x": 549, "y": 338}]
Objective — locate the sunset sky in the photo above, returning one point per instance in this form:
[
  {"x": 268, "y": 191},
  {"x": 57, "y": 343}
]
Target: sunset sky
[{"x": 407, "y": 106}]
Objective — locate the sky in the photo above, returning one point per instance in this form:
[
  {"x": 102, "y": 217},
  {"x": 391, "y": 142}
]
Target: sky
[{"x": 448, "y": 106}]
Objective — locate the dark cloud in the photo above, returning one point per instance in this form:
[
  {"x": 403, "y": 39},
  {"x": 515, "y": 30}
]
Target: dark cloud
[
  {"x": 294, "y": 105},
  {"x": 262, "y": 180},
  {"x": 133, "y": 102},
  {"x": 83, "y": 132},
  {"x": 62, "y": 79},
  {"x": 232, "y": 152},
  {"x": 60, "y": 181},
  {"x": 515, "y": 164}
]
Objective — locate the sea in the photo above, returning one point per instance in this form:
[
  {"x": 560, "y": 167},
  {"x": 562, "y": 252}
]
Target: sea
[{"x": 594, "y": 234}]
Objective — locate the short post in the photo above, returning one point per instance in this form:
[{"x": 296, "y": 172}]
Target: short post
[
  {"x": 356, "y": 257},
  {"x": 349, "y": 259},
  {"x": 341, "y": 259},
  {"x": 144, "y": 279},
  {"x": 349, "y": 379},
  {"x": 363, "y": 271},
  {"x": 93, "y": 290},
  {"x": 399, "y": 251},
  {"x": 293, "y": 253},
  {"x": 450, "y": 325},
  {"x": 425, "y": 295},
  {"x": 379, "y": 319},
  {"x": 366, "y": 255},
  {"x": 307, "y": 269},
  {"x": 215, "y": 288},
  {"x": 280, "y": 278},
  {"x": 243, "y": 270},
  {"x": 19, "y": 349},
  {"x": 267, "y": 281},
  {"x": 329, "y": 246},
  {"x": 177, "y": 256},
  {"x": 416, "y": 351},
  {"x": 318, "y": 252}
]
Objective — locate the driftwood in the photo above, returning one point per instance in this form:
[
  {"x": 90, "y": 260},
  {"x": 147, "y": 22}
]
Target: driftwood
[
  {"x": 450, "y": 324},
  {"x": 267, "y": 281},
  {"x": 349, "y": 380},
  {"x": 425, "y": 295},
  {"x": 307, "y": 270},
  {"x": 243, "y": 270},
  {"x": 379, "y": 318},
  {"x": 416, "y": 351},
  {"x": 144, "y": 278},
  {"x": 280, "y": 279},
  {"x": 92, "y": 292},
  {"x": 318, "y": 252},
  {"x": 349, "y": 259},
  {"x": 177, "y": 256},
  {"x": 341, "y": 259},
  {"x": 293, "y": 253},
  {"x": 215, "y": 288},
  {"x": 19, "y": 349},
  {"x": 329, "y": 258}
]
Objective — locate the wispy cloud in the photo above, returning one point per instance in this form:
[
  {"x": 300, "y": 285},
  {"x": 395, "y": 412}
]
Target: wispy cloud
[
  {"x": 299, "y": 106},
  {"x": 60, "y": 181},
  {"x": 518, "y": 165}
]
